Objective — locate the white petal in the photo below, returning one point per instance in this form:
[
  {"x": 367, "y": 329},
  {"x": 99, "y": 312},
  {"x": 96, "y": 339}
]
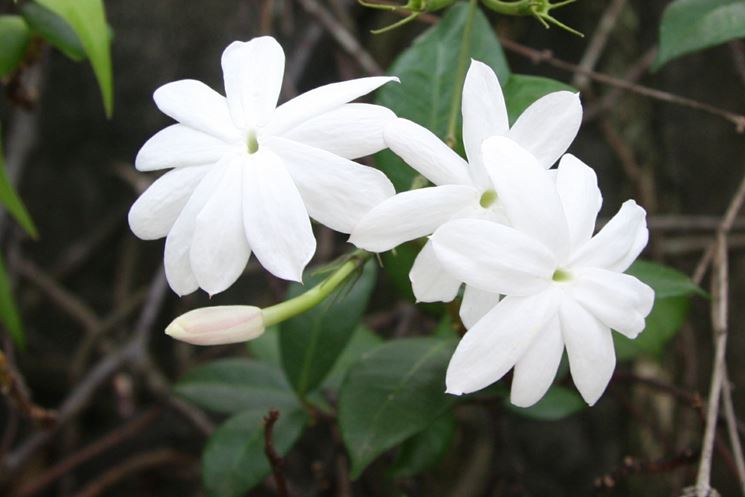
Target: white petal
[
  {"x": 179, "y": 145},
  {"x": 153, "y": 214},
  {"x": 527, "y": 194},
  {"x": 484, "y": 114},
  {"x": 493, "y": 346},
  {"x": 253, "y": 72},
  {"x": 426, "y": 153},
  {"x": 219, "y": 251},
  {"x": 536, "y": 370},
  {"x": 619, "y": 243},
  {"x": 429, "y": 280},
  {"x": 337, "y": 192},
  {"x": 276, "y": 222},
  {"x": 410, "y": 215},
  {"x": 319, "y": 100},
  {"x": 590, "y": 349},
  {"x": 178, "y": 243},
  {"x": 549, "y": 126},
  {"x": 580, "y": 197},
  {"x": 619, "y": 301},
  {"x": 476, "y": 303},
  {"x": 198, "y": 106},
  {"x": 493, "y": 257},
  {"x": 350, "y": 131}
]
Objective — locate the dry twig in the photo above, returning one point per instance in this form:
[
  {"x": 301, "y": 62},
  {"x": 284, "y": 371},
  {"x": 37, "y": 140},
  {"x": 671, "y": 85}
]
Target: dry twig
[{"x": 275, "y": 461}]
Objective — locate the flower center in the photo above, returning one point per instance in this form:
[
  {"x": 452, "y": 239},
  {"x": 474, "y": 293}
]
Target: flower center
[
  {"x": 561, "y": 276},
  {"x": 252, "y": 142},
  {"x": 488, "y": 198}
]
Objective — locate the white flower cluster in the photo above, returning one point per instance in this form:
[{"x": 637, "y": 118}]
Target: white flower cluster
[{"x": 247, "y": 175}]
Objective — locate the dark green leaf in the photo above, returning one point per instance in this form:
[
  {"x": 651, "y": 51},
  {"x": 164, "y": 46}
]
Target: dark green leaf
[
  {"x": 311, "y": 342},
  {"x": 235, "y": 385},
  {"x": 266, "y": 347},
  {"x": 234, "y": 460},
  {"x": 8, "y": 310},
  {"x": 691, "y": 25},
  {"x": 87, "y": 18},
  {"x": 426, "y": 449},
  {"x": 10, "y": 200},
  {"x": 362, "y": 341},
  {"x": 428, "y": 71},
  {"x": 14, "y": 39},
  {"x": 54, "y": 29},
  {"x": 521, "y": 91},
  {"x": 667, "y": 317},
  {"x": 666, "y": 281},
  {"x": 558, "y": 403},
  {"x": 395, "y": 391}
]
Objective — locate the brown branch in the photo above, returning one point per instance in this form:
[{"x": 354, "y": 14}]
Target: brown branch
[
  {"x": 12, "y": 387},
  {"x": 632, "y": 466},
  {"x": 598, "y": 42},
  {"x": 275, "y": 461}
]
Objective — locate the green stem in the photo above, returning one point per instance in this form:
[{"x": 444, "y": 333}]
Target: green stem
[
  {"x": 292, "y": 307},
  {"x": 517, "y": 8},
  {"x": 460, "y": 76}
]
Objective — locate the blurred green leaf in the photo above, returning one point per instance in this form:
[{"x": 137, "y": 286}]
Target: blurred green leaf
[
  {"x": 8, "y": 311},
  {"x": 425, "y": 449},
  {"x": 362, "y": 341},
  {"x": 665, "y": 320},
  {"x": 558, "y": 403},
  {"x": 666, "y": 281},
  {"x": 266, "y": 347},
  {"x": 54, "y": 29},
  {"x": 234, "y": 460},
  {"x": 428, "y": 70},
  {"x": 521, "y": 91},
  {"x": 87, "y": 18},
  {"x": 10, "y": 200},
  {"x": 395, "y": 391},
  {"x": 235, "y": 385},
  {"x": 310, "y": 343},
  {"x": 691, "y": 25},
  {"x": 14, "y": 39}
]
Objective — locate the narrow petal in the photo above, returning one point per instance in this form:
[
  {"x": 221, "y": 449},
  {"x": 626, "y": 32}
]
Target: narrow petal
[
  {"x": 219, "y": 251},
  {"x": 198, "y": 106},
  {"x": 350, "y": 131},
  {"x": 493, "y": 257},
  {"x": 253, "y": 72},
  {"x": 527, "y": 194},
  {"x": 536, "y": 370},
  {"x": 476, "y": 303},
  {"x": 619, "y": 243},
  {"x": 499, "y": 340},
  {"x": 337, "y": 192},
  {"x": 410, "y": 215},
  {"x": 177, "y": 146},
  {"x": 484, "y": 114},
  {"x": 580, "y": 198},
  {"x": 426, "y": 153},
  {"x": 276, "y": 222},
  {"x": 153, "y": 214},
  {"x": 619, "y": 301},
  {"x": 178, "y": 243},
  {"x": 549, "y": 126},
  {"x": 322, "y": 99},
  {"x": 429, "y": 280},
  {"x": 590, "y": 349}
]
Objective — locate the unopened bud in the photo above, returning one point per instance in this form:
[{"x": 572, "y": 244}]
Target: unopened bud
[{"x": 218, "y": 325}]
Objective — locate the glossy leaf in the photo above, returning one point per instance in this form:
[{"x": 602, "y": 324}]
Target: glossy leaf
[
  {"x": 12, "y": 202},
  {"x": 395, "y": 391},
  {"x": 363, "y": 340},
  {"x": 54, "y": 29},
  {"x": 14, "y": 39},
  {"x": 310, "y": 343},
  {"x": 427, "y": 71},
  {"x": 424, "y": 450},
  {"x": 87, "y": 18},
  {"x": 691, "y": 25},
  {"x": 666, "y": 281},
  {"x": 521, "y": 91},
  {"x": 8, "y": 311},
  {"x": 558, "y": 403}
]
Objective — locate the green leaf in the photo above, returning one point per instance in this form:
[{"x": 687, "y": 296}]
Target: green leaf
[
  {"x": 311, "y": 342},
  {"x": 521, "y": 91},
  {"x": 235, "y": 385},
  {"x": 667, "y": 317},
  {"x": 14, "y": 39},
  {"x": 87, "y": 18},
  {"x": 266, "y": 347},
  {"x": 8, "y": 311},
  {"x": 234, "y": 460},
  {"x": 427, "y": 71},
  {"x": 362, "y": 341},
  {"x": 10, "y": 200},
  {"x": 395, "y": 391},
  {"x": 558, "y": 403},
  {"x": 54, "y": 29},
  {"x": 665, "y": 281},
  {"x": 424, "y": 450},
  {"x": 691, "y": 25}
]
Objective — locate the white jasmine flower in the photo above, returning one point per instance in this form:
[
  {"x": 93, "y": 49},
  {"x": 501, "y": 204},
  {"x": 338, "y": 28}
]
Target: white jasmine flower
[
  {"x": 462, "y": 189},
  {"x": 562, "y": 285},
  {"x": 247, "y": 174}
]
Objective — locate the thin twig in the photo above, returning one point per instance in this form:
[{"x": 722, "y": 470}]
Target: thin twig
[
  {"x": 633, "y": 466},
  {"x": 12, "y": 387},
  {"x": 598, "y": 42},
  {"x": 275, "y": 461},
  {"x": 732, "y": 429}
]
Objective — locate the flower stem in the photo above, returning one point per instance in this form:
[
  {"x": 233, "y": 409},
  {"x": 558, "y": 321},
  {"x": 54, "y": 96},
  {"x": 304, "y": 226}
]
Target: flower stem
[
  {"x": 292, "y": 307},
  {"x": 460, "y": 75}
]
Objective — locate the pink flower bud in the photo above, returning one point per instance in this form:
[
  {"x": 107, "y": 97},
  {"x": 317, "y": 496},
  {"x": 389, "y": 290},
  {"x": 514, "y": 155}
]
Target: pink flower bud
[{"x": 218, "y": 325}]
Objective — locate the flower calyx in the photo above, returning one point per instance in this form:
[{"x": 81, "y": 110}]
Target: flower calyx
[
  {"x": 540, "y": 9},
  {"x": 414, "y": 7}
]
